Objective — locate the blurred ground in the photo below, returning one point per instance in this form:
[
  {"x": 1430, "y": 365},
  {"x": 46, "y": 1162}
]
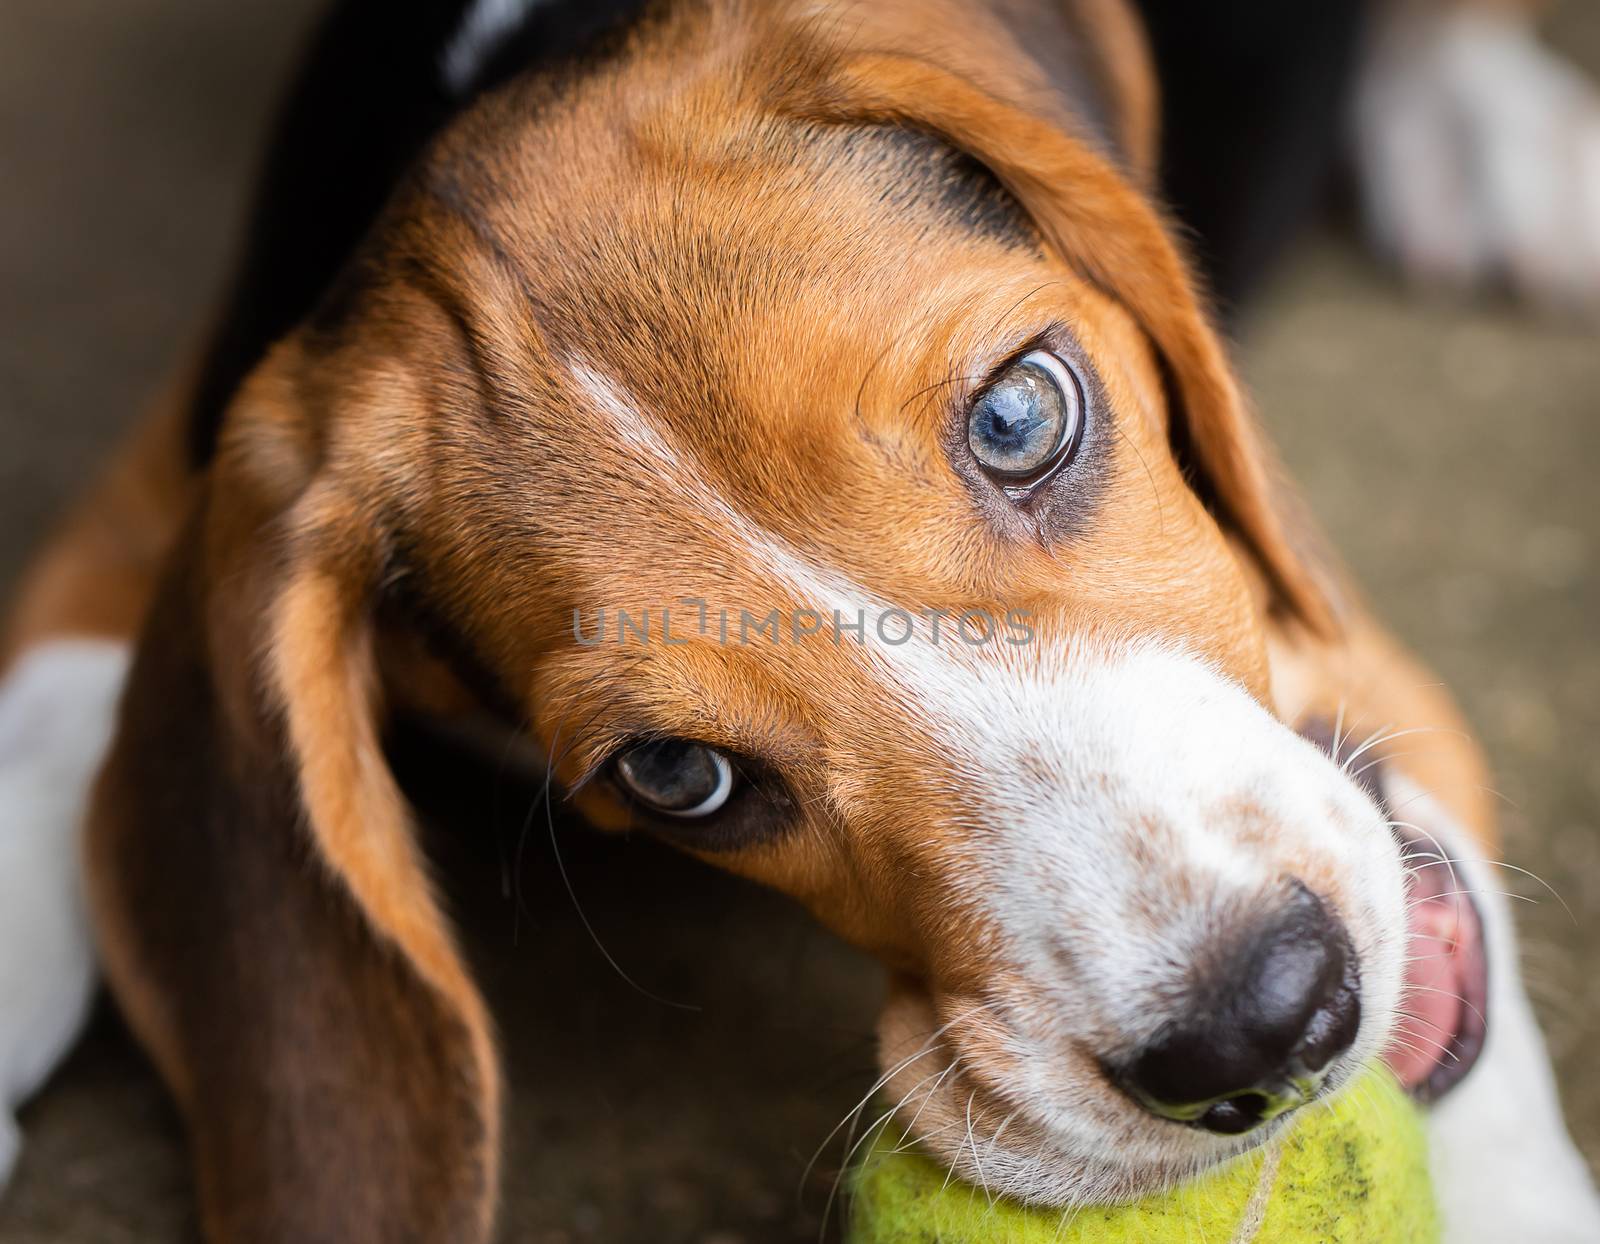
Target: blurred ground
[{"x": 1452, "y": 454}]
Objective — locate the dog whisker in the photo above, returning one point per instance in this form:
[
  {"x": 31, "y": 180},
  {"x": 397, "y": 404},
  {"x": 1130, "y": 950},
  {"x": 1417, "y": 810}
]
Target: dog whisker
[
  {"x": 854, "y": 1113},
  {"x": 871, "y": 1135},
  {"x": 1450, "y": 993},
  {"x": 583, "y": 916},
  {"x": 1469, "y": 892},
  {"x": 1532, "y": 876}
]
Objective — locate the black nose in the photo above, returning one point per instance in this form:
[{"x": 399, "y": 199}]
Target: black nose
[{"x": 1256, "y": 1042}]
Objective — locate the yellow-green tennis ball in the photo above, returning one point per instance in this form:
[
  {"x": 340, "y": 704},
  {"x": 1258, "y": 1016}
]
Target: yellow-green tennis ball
[{"x": 1352, "y": 1172}]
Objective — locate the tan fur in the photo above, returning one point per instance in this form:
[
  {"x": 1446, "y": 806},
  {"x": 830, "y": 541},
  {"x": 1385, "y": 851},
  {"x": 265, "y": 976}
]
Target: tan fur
[
  {"x": 95, "y": 574},
  {"x": 754, "y": 281},
  {"x": 1369, "y": 686},
  {"x": 1107, "y": 232}
]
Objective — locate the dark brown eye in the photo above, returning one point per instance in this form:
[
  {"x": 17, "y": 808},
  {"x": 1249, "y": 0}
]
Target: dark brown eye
[
  {"x": 1026, "y": 424},
  {"x": 676, "y": 777}
]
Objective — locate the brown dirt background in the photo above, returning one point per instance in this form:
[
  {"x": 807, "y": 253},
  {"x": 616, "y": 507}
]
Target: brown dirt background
[{"x": 1451, "y": 452}]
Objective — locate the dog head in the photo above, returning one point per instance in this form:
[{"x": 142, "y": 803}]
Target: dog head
[{"x": 821, "y": 451}]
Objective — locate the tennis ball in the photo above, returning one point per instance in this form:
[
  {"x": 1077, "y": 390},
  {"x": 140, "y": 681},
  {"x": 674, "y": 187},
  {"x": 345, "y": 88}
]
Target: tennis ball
[{"x": 1353, "y": 1171}]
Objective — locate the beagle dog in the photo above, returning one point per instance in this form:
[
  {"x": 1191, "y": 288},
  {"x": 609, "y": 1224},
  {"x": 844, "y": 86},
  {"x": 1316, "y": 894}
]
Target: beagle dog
[{"x": 798, "y": 422}]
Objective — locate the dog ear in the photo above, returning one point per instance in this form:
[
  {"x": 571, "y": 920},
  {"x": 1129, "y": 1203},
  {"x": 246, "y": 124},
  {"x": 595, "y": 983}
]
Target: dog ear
[
  {"x": 265, "y": 911},
  {"x": 1106, "y": 229}
]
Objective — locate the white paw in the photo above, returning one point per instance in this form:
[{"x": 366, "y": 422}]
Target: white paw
[
  {"x": 1479, "y": 156},
  {"x": 57, "y": 707}
]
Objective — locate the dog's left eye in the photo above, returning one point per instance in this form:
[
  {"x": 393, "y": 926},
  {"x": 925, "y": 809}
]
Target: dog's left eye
[
  {"x": 676, "y": 777},
  {"x": 1026, "y": 424}
]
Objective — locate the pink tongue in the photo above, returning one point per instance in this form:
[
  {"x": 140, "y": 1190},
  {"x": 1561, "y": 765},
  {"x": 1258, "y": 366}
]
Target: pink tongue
[{"x": 1433, "y": 982}]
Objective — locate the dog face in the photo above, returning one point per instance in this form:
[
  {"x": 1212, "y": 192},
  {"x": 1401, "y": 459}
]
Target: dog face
[{"x": 831, "y": 467}]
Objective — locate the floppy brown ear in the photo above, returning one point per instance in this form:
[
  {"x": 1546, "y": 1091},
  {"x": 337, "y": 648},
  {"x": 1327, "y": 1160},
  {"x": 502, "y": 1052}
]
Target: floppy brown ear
[
  {"x": 1107, "y": 230},
  {"x": 265, "y": 913}
]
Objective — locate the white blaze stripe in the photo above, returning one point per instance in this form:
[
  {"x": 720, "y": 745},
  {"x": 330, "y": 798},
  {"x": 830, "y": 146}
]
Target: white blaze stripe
[
  {"x": 1125, "y": 801},
  {"x": 1147, "y": 699},
  {"x": 913, "y": 666},
  {"x": 822, "y": 590},
  {"x": 57, "y": 710}
]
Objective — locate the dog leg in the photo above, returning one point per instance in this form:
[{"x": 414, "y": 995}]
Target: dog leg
[
  {"x": 56, "y": 711},
  {"x": 1479, "y": 153},
  {"x": 1503, "y": 1163},
  {"x": 63, "y": 660}
]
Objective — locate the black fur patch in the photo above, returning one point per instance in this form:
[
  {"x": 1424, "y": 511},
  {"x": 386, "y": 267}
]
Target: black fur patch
[
  {"x": 921, "y": 169},
  {"x": 368, "y": 96}
]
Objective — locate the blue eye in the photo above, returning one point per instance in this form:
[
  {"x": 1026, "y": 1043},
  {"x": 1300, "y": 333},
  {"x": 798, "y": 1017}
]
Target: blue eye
[{"x": 1027, "y": 422}]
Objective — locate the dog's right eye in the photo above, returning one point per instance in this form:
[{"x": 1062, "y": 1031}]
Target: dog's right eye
[{"x": 676, "y": 777}]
